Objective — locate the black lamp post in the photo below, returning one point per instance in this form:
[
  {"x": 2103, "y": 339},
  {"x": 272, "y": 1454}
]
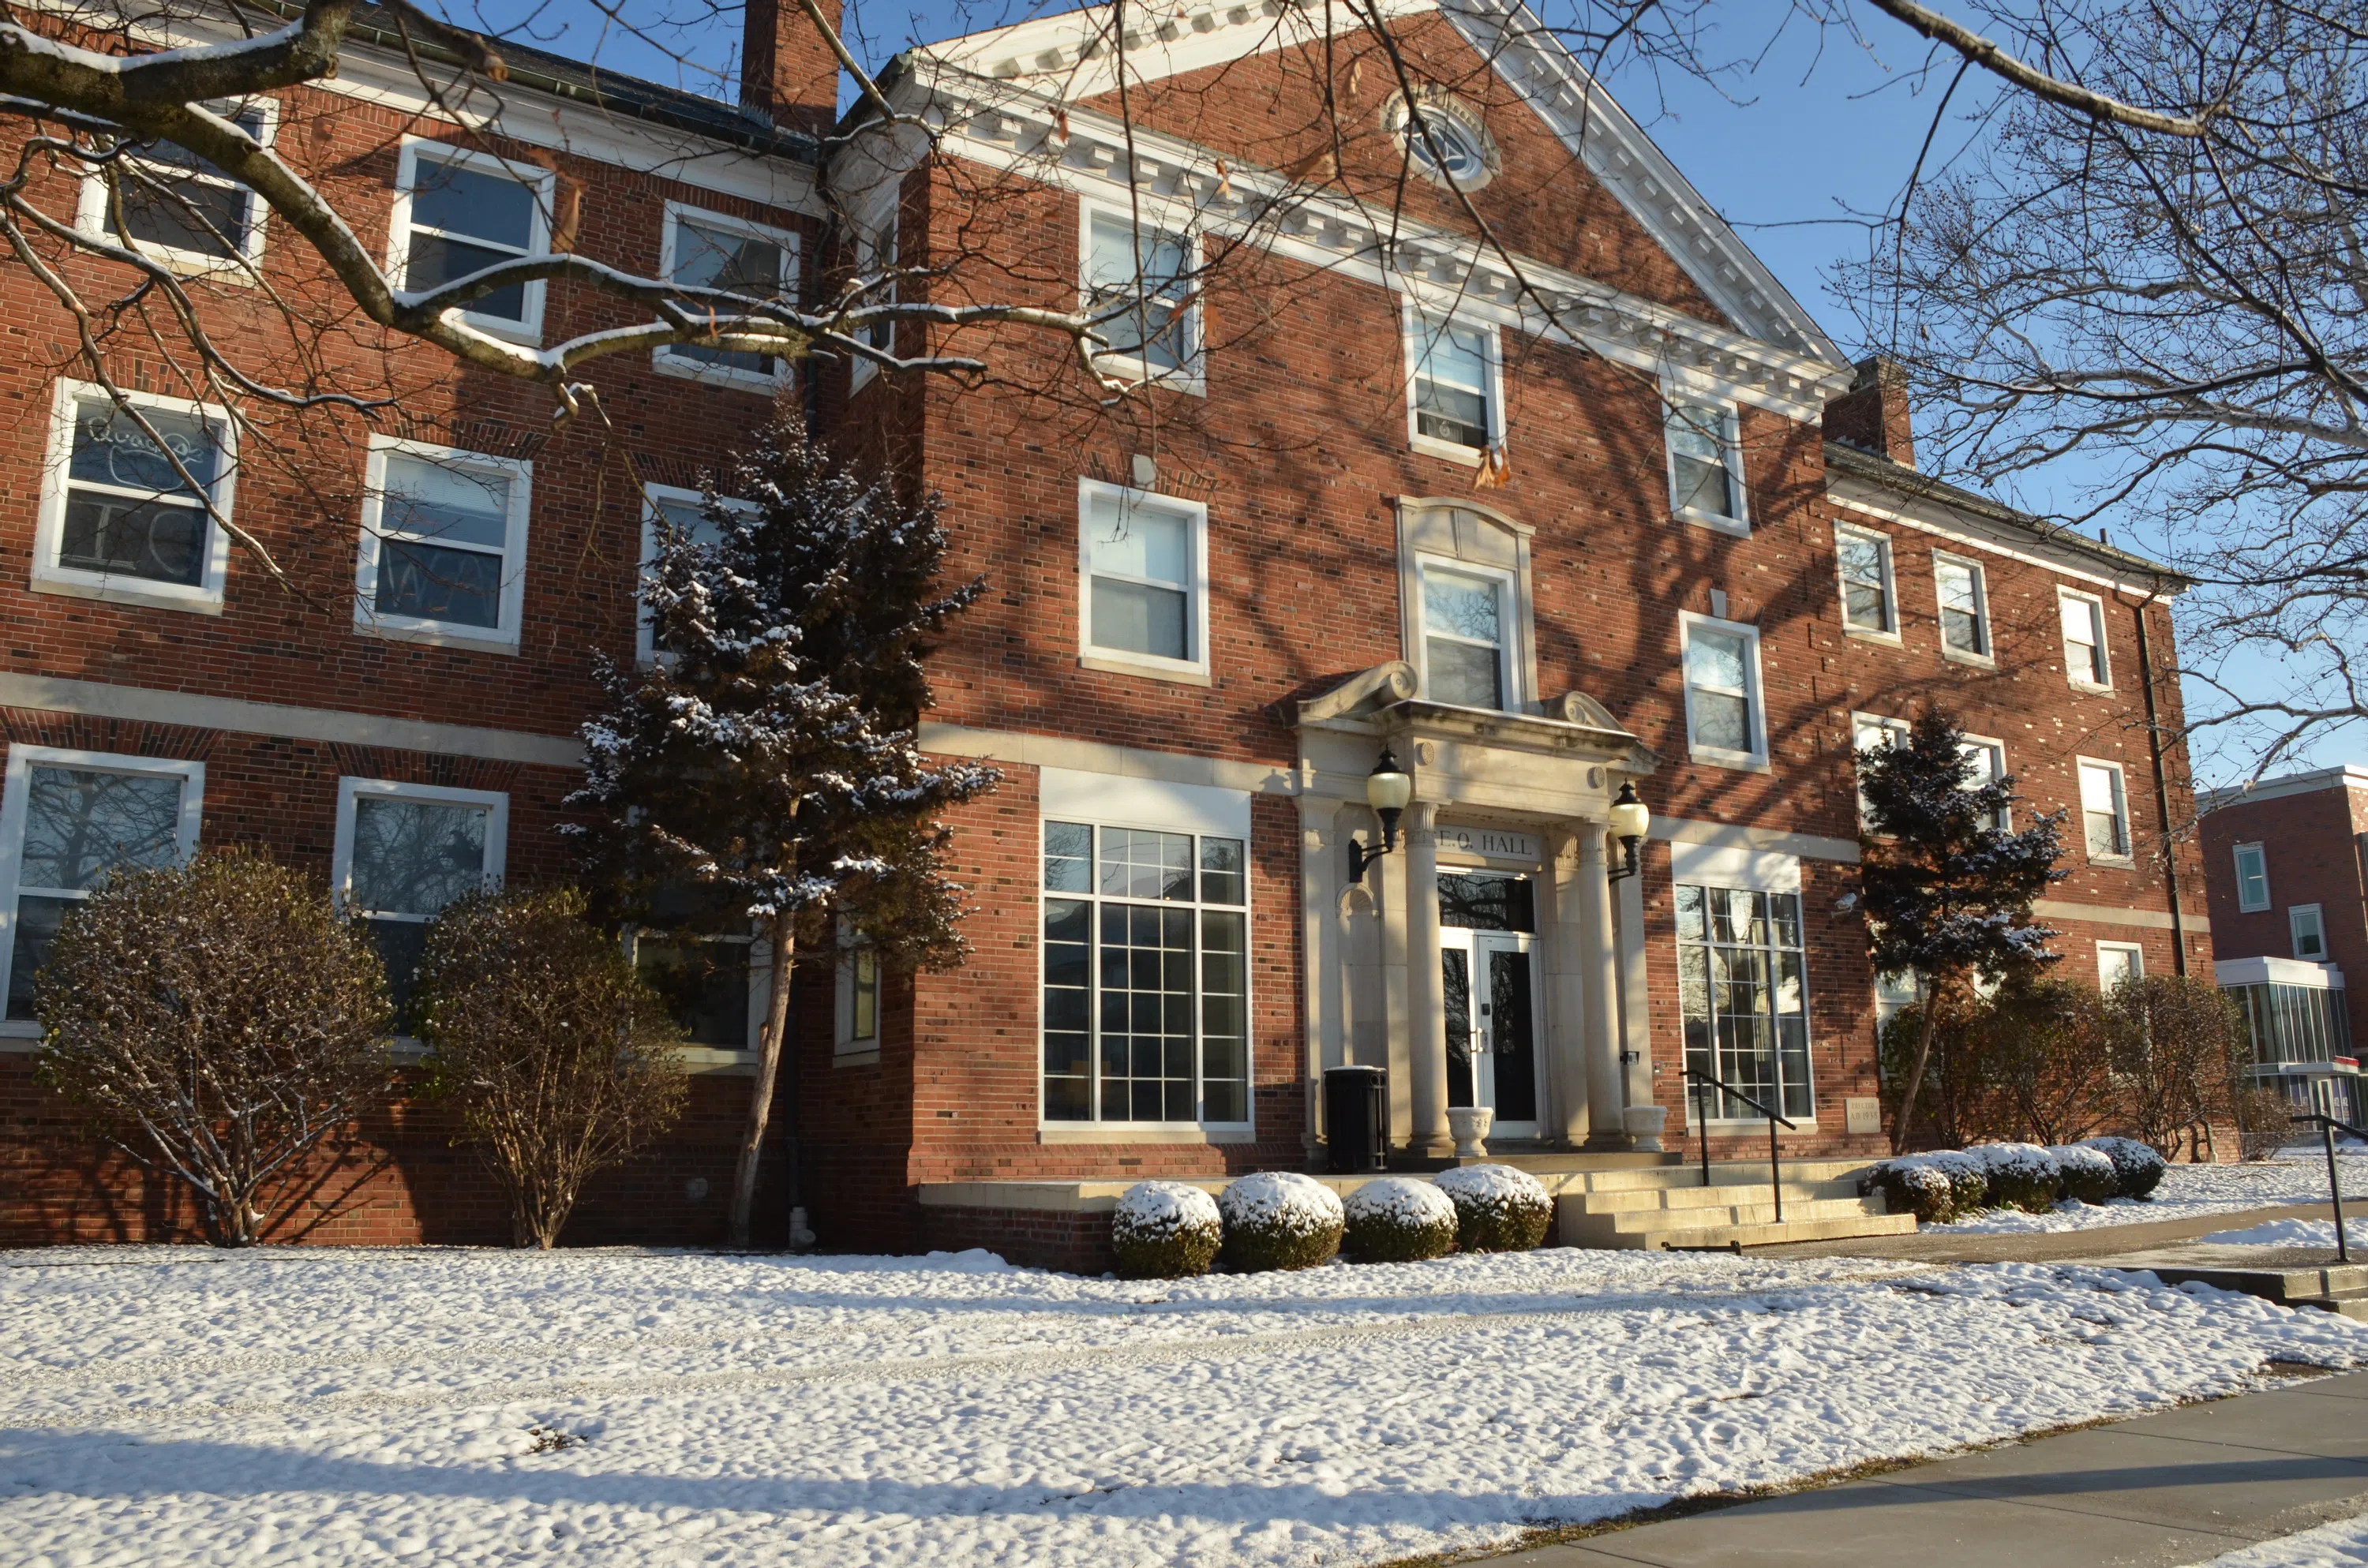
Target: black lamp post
[
  {"x": 1630, "y": 818},
  {"x": 1387, "y": 791}
]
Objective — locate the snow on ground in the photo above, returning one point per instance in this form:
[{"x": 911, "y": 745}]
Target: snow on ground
[
  {"x": 2289, "y": 1233},
  {"x": 2343, "y": 1544},
  {"x": 459, "y": 1407},
  {"x": 2190, "y": 1191}
]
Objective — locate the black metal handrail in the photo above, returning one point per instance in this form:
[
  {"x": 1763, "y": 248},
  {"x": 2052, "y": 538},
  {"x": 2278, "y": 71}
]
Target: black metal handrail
[
  {"x": 1775, "y": 1168},
  {"x": 2327, "y": 1127}
]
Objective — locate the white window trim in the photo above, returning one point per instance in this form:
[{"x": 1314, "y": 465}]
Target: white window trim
[
  {"x": 1510, "y": 673},
  {"x": 1898, "y": 729},
  {"x": 2006, "y": 813},
  {"x": 502, "y": 638},
  {"x": 1987, "y": 661},
  {"x": 760, "y": 972},
  {"x": 665, "y": 359},
  {"x": 1119, "y": 660},
  {"x": 1755, "y": 760},
  {"x": 22, "y": 760},
  {"x": 645, "y": 645},
  {"x": 541, "y": 182},
  {"x": 1200, "y": 825},
  {"x": 90, "y": 210},
  {"x": 1731, "y": 444},
  {"x": 48, "y": 531},
  {"x": 1192, "y": 375},
  {"x": 2133, "y": 948},
  {"x": 351, "y": 789},
  {"x": 2121, "y": 800},
  {"x": 878, "y": 243},
  {"x": 845, "y": 1045},
  {"x": 2097, "y": 623},
  {"x": 1889, "y": 633},
  {"x": 2236, "y": 862},
  {"x": 2293, "y": 932},
  {"x": 1413, "y": 317}
]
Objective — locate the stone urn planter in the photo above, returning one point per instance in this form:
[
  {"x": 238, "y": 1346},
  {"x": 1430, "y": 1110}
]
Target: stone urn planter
[
  {"x": 1643, "y": 1123},
  {"x": 1468, "y": 1125}
]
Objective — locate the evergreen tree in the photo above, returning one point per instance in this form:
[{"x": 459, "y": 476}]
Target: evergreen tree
[
  {"x": 762, "y": 771},
  {"x": 1945, "y": 892}
]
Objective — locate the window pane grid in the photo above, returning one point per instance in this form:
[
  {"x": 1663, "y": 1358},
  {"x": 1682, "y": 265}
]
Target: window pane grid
[
  {"x": 2103, "y": 812},
  {"x": 1960, "y": 589},
  {"x": 711, "y": 256},
  {"x": 128, "y": 510},
  {"x": 1451, "y": 384},
  {"x": 1743, "y": 993},
  {"x": 1701, "y": 478},
  {"x": 1718, "y": 678},
  {"x": 1145, "y": 1016},
  {"x": 1866, "y": 582},
  {"x": 80, "y": 824},
  {"x": 464, "y": 218}
]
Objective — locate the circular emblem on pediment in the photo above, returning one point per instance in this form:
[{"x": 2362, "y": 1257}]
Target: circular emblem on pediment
[{"x": 1457, "y": 150}]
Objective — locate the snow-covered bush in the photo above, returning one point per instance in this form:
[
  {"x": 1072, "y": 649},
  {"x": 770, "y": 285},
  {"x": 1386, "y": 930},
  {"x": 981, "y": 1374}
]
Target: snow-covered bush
[
  {"x": 2021, "y": 1176},
  {"x": 1498, "y": 1208},
  {"x": 1912, "y": 1184},
  {"x": 1969, "y": 1178},
  {"x": 2136, "y": 1167},
  {"x": 2087, "y": 1172},
  {"x": 1165, "y": 1230},
  {"x": 1279, "y": 1219},
  {"x": 1398, "y": 1219}
]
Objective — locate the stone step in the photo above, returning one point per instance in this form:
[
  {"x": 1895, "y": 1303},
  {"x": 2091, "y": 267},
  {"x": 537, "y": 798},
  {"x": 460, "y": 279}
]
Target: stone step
[
  {"x": 1722, "y": 1173},
  {"x": 1790, "y": 1231},
  {"x": 1618, "y": 1200},
  {"x": 1728, "y": 1214},
  {"x": 1578, "y": 1226}
]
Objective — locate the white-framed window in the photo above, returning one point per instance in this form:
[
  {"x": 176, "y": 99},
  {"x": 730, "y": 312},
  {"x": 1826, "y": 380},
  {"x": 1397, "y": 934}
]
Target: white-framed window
[
  {"x": 443, "y": 547},
  {"x": 117, "y": 520},
  {"x": 2104, "y": 811},
  {"x": 1455, "y": 403},
  {"x": 403, "y": 851},
  {"x": 179, "y": 209},
  {"x": 709, "y": 250},
  {"x": 1871, "y": 734},
  {"x": 1146, "y": 977},
  {"x": 1705, "y": 446},
  {"x": 1467, "y": 644},
  {"x": 1870, "y": 593},
  {"x": 2309, "y": 928},
  {"x": 1743, "y": 993},
  {"x": 1727, "y": 723},
  {"x": 1989, "y": 759},
  {"x": 1963, "y": 595},
  {"x": 714, "y": 987},
  {"x": 2118, "y": 962},
  {"x": 1142, "y": 284},
  {"x": 68, "y": 818},
  {"x": 685, "y": 510},
  {"x": 2086, "y": 662},
  {"x": 459, "y": 212},
  {"x": 876, "y": 249},
  {"x": 857, "y": 1021},
  {"x": 1894, "y": 993},
  {"x": 1143, "y": 589},
  {"x": 2252, "y": 878}
]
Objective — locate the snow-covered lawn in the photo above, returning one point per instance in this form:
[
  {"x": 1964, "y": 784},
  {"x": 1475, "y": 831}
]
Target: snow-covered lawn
[
  {"x": 2291, "y": 1234},
  {"x": 617, "y": 1408},
  {"x": 2197, "y": 1190},
  {"x": 2343, "y": 1544}
]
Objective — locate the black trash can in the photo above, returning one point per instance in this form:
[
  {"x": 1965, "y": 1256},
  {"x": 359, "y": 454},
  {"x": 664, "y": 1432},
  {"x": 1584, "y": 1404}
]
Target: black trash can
[{"x": 1357, "y": 1119}]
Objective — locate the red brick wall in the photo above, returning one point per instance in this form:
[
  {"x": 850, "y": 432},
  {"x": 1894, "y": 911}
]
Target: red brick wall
[{"x": 2310, "y": 843}]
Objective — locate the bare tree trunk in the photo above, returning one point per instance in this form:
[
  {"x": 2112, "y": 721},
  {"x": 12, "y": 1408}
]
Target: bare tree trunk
[
  {"x": 1916, "y": 1070},
  {"x": 768, "y": 1068}
]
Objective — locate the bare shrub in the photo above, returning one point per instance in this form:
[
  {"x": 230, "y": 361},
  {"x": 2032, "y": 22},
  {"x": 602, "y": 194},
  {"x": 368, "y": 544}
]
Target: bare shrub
[
  {"x": 2047, "y": 1048},
  {"x": 2173, "y": 1039},
  {"x": 220, "y": 1021},
  {"x": 559, "y": 1058}
]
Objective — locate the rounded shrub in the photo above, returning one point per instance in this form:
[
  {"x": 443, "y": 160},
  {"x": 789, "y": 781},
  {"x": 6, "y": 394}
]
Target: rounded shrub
[
  {"x": 2087, "y": 1174},
  {"x": 2021, "y": 1176},
  {"x": 1498, "y": 1208},
  {"x": 1165, "y": 1230},
  {"x": 1912, "y": 1184},
  {"x": 1278, "y": 1220},
  {"x": 1398, "y": 1219},
  {"x": 2137, "y": 1169},
  {"x": 1969, "y": 1179}
]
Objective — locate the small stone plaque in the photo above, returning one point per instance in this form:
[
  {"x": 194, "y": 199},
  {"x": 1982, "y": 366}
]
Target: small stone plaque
[{"x": 1862, "y": 1116}]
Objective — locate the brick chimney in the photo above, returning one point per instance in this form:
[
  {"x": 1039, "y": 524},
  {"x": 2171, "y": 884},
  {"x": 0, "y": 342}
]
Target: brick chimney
[
  {"x": 786, "y": 72},
  {"x": 1872, "y": 416}
]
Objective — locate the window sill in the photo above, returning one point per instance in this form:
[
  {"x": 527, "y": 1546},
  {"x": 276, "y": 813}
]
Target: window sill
[
  {"x": 1978, "y": 661},
  {"x": 1741, "y": 762},
  {"x": 2090, "y": 688},
  {"x": 1739, "y": 528},
  {"x": 867, "y": 1057},
  {"x": 708, "y": 1059},
  {"x": 127, "y": 591},
  {"x": 2253, "y": 908},
  {"x": 196, "y": 266},
  {"x": 1148, "y": 667},
  {"x": 1888, "y": 638},
  {"x": 478, "y": 639},
  {"x": 1448, "y": 451},
  {"x": 2119, "y": 862},
  {"x": 1190, "y": 378},
  {"x": 1141, "y": 1132},
  {"x": 20, "y": 1036},
  {"x": 1803, "y": 1126},
  {"x": 666, "y": 364}
]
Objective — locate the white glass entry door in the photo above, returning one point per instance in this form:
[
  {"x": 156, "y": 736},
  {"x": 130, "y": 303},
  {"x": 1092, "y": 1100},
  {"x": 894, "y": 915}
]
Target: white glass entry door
[{"x": 1490, "y": 978}]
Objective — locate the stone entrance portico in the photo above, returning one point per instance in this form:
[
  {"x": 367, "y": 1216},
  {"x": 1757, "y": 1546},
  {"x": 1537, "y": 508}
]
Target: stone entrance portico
[{"x": 1522, "y": 794}]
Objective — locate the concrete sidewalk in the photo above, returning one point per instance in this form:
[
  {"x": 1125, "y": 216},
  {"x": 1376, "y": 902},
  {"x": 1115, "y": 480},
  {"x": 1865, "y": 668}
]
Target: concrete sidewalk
[
  {"x": 2155, "y": 1492},
  {"x": 1938, "y": 1244}
]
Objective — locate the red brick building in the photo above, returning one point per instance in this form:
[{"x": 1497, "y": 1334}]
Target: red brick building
[
  {"x": 2290, "y": 916},
  {"x": 1587, "y": 501}
]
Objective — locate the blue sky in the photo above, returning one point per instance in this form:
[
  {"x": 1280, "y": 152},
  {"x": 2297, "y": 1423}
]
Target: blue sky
[{"x": 1796, "y": 152}]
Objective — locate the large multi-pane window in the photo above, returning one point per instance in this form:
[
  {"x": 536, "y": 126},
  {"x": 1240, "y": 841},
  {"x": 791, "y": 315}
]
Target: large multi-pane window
[
  {"x": 404, "y": 851},
  {"x": 458, "y": 213},
  {"x": 1146, "y": 976},
  {"x": 1743, "y": 988},
  {"x": 69, "y": 820},
  {"x": 1139, "y": 285}
]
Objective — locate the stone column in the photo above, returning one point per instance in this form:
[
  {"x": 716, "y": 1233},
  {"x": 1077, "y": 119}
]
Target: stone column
[
  {"x": 1566, "y": 1042},
  {"x": 1390, "y": 872},
  {"x": 1600, "y": 983},
  {"x": 1425, "y": 992}
]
